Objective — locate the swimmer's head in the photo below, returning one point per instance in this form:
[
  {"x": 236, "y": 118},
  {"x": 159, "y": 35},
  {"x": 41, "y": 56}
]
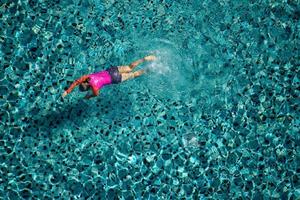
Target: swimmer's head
[{"x": 84, "y": 86}]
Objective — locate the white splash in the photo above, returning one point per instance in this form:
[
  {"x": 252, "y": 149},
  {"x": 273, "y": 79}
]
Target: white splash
[{"x": 166, "y": 76}]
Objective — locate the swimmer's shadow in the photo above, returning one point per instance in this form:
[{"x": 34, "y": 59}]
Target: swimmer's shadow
[
  {"x": 73, "y": 114},
  {"x": 56, "y": 118}
]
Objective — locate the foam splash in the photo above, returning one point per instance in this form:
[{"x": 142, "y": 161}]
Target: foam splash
[
  {"x": 166, "y": 76},
  {"x": 159, "y": 66}
]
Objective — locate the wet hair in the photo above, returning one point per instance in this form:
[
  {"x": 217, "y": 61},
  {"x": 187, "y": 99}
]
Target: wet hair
[{"x": 83, "y": 88}]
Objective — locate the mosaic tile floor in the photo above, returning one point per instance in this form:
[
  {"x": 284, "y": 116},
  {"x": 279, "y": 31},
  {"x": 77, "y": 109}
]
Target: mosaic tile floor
[{"x": 216, "y": 117}]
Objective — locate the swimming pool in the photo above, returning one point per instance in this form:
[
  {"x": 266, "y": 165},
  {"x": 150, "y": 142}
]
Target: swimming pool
[{"x": 217, "y": 117}]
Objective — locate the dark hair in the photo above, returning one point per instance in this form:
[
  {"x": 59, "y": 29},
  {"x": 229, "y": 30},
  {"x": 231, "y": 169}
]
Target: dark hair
[{"x": 83, "y": 88}]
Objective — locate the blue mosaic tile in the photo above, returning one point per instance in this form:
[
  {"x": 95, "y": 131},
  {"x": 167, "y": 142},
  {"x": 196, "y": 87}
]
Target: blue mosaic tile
[{"x": 216, "y": 117}]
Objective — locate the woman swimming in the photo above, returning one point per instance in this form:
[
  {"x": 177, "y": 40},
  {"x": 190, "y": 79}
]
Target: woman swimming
[{"x": 111, "y": 75}]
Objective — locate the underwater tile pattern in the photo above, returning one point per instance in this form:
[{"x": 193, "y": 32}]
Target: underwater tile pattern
[{"x": 217, "y": 117}]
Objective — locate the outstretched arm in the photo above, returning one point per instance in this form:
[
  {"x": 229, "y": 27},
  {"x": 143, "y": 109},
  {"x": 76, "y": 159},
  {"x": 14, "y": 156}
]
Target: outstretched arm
[{"x": 74, "y": 84}]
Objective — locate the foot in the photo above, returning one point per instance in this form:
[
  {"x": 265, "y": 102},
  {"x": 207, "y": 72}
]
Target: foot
[{"x": 150, "y": 58}]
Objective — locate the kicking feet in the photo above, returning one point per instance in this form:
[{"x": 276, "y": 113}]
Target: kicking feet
[{"x": 150, "y": 58}]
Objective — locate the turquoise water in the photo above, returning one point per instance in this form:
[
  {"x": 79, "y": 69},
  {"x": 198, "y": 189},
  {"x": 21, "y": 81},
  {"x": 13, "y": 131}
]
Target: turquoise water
[{"x": 216, "y": 117}]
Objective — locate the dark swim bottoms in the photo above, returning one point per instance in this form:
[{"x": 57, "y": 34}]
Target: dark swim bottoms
[{"x": 115, "y": 75}]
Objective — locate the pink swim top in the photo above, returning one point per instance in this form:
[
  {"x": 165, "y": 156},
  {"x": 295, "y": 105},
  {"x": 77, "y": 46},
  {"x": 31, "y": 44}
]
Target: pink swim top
[
  {"x": 99, "y": 79},
  {"x": 96, "y": 81}
]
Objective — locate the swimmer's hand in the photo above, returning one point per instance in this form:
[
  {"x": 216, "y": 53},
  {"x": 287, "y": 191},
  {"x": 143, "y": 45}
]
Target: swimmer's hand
[
  {"x": 94, "y": 93},
  {"x": 64, "y": 94},
  {"x": 150, "y": 58}
]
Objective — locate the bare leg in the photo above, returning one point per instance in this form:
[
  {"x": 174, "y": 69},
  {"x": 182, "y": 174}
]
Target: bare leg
[
  {"x": 131, "y": 75},
  {"x": 136, "y": 63},
  {"x": 124, "y": 69},
  {"x": 129, "y": 68}
]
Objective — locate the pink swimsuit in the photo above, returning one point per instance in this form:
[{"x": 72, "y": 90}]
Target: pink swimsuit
[{"x": 99, "y": 79}]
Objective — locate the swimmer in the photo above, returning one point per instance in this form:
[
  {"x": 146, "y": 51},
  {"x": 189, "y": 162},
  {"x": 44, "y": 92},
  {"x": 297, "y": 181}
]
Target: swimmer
[{"x": 113, "y": 75}]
